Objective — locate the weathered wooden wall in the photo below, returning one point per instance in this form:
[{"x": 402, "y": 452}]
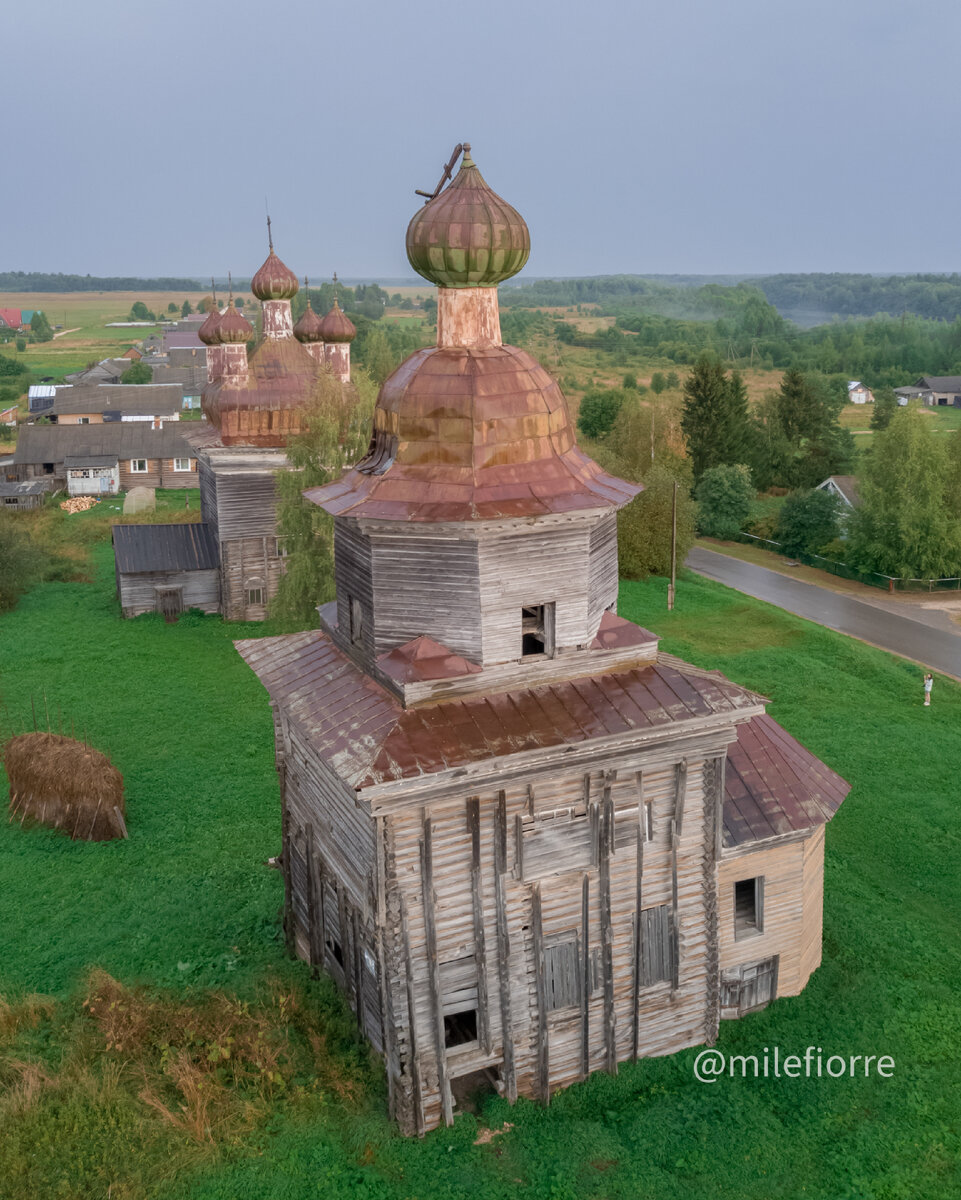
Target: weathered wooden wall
[
  {"x": 201, "y": 589},
  {"x": 507, "y": 879},
  {"x": 603, "y": 579},
  {"x": 246, "y": 564},
  {"x": 793, "y": 881}
]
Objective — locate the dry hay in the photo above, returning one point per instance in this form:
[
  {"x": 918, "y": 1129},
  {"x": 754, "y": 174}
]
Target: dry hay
[{"x": 66, "y": 785}]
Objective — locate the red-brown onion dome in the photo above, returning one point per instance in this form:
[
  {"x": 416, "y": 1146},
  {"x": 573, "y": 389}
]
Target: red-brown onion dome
[
  {"x": 234, "y": 327},
  {"x": 465, "y": 434},
  {"x": 209, "y": 331},
  {"x": 275, "y": 280},
  {"x": 310, "y": 328},
  {"x": 337, "y": 326},
  {"x": 467, "y": 236}
]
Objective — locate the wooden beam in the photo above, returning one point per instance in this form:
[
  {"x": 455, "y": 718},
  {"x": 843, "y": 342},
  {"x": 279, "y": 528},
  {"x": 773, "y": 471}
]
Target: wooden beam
[
  {"x": 312, "y": 956},
  {"x": 358, "y": 967},
  {"x": 543, "y": 1036},
  {"x": 504, "y": 946},
  {"x": 674, "y": 930},
  {"x": 288, "y": 918},
  {"x": 680, "y": 793},
  {"x": 586, "y": 976},
  {"x": 719, "y": 806},
  {"x": 519, "y": 840},
  {"x": 638, "y": 908},
  {"x": 430, "y": 929},
  {"x": 607, "y": 932},
  {"x": 477, "y": 906},
  {"x": 418, "y": 1096}
]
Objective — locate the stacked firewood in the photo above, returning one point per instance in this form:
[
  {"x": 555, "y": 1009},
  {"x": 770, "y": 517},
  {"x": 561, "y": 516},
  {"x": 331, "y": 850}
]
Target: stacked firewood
[{"x": 78, "y": 504}]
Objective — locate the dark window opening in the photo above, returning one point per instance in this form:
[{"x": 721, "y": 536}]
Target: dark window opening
[
  {"x": 336, "y": 951},
  {"x": 748, "y": 906},
  {"x": 537, "y": 630},
  {"x": 48, "y": 468},
  {"x": 460, "y": 1028},
  {"x": 255, "y": 596}
]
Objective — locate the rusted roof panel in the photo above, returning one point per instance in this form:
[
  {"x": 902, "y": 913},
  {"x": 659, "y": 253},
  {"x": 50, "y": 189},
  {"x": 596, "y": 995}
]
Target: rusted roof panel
[
  {"x": 488, "y": 421},
  {"x": 423, "y": 658},
  {"x": 370, "y": 739},
  {"x": 774, "y": 786}
]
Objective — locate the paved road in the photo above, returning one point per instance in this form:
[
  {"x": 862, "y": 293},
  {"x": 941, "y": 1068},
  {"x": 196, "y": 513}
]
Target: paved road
[{"x": 938, "y": 649}]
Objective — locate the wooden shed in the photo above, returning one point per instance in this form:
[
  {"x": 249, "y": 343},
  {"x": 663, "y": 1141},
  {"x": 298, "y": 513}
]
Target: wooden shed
[
  {"x": 166, "y": 568},
  {"x": 19, "y": 497},
  {"x": 525, "y": 844}
]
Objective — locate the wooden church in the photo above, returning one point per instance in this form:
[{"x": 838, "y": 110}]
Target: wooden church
[
  {"x": 252, "y": 404},
  {"x": 525, "y": 844}
]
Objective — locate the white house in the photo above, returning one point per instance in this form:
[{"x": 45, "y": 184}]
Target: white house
[{"x": 859, "y": 393}]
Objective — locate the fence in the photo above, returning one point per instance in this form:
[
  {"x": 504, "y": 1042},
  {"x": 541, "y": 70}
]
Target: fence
[{"x": 873, "y": 578}]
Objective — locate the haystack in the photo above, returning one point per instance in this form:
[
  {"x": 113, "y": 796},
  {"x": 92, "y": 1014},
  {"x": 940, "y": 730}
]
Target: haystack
[{"x": 64, "y": 784}]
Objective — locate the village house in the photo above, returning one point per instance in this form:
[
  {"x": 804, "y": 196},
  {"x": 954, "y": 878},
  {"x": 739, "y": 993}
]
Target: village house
[
  {"x": 859, "y": 393},
  {"x": 96, "y": 404},
  {"x": 20, "y": 497},
  {"x": 167, "y": 572},
  {"x": 251, "y": 407},
  {"x": 106, "y": 458},
  {"x": 525, "y": 843},
  {"x": 938, "y": 390},
  {"x": 845, "y": 487}
]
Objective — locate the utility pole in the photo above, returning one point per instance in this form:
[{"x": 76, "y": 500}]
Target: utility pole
[{"x": 670, "y": 586}]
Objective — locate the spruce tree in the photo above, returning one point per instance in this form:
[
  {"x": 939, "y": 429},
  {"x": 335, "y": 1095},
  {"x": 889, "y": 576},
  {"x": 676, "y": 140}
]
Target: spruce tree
[{"x": 715, "y": 417}]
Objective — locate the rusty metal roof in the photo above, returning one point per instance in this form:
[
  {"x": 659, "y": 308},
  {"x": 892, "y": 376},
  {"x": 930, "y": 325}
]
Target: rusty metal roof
[
  {"x": 274, "y": 280},
  {"x": 370, "y": 739},
  {"x": 470, "y": 433},
  {"x": 774, "y": 786},
  {"x": 268, "y": 406},
  {"x": 423, "y": 658}
]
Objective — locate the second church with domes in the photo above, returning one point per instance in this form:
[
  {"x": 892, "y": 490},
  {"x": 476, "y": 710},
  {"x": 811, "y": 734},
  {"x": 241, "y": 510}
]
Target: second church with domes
[
  {"x": 233, "y": 561},
  {"x": 525, "y": 844}
]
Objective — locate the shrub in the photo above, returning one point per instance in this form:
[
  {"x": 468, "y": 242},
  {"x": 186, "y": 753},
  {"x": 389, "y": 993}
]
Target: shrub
[
  {"x": 598, "y": 412},
  {"x": 724, "y": 497},
  {"x": 808, "y": 521}
]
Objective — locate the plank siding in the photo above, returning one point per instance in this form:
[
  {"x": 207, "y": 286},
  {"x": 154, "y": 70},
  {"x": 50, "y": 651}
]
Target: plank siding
[
  {"x": 785, "y": 922},
  {"x": 426, "y": 585},
  {"x": 602, "y": 570},
  {"x": 534, "y": 567},
  {"x": 138, "y": 593}
]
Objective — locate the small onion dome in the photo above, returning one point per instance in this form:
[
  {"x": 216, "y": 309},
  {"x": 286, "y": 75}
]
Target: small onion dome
[
  {"x": 234, "y": 327},
  {"x": 467, "y": 236},
  {"x": 337, "y": 326},
  {"x": 209, "y": 332},
  {"x": 310, "y": 328},
  {"x": 275, "y": 280}
]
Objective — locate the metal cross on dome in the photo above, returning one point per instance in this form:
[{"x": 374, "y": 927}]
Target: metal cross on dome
[{"x": 459, "y": 149}]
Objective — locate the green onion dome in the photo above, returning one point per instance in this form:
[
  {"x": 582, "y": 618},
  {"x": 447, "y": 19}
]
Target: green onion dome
[
  {"x": 275, "y": 280},
  {"x": 467, "y": 236}
]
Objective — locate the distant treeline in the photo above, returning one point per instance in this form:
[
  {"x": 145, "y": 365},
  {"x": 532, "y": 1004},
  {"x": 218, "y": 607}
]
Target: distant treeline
[
  {"x": 935, "y": 296},
  {"x": 702, "y": 297},
  {"x": 43, "y": 281}
]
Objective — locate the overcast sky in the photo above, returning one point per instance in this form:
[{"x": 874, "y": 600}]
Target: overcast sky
[{"x": 693, "y": 136}]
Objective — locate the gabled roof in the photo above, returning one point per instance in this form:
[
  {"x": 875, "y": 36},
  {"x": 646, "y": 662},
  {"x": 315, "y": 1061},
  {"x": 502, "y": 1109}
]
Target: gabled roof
[
  {"x": 186, "y": 546},
  {"x": 182, "y": 339},
  {"x": 940, "y": 383},
  {"x": 370, "y": 739},
  {"x": 148, "y": 399},
  {"x": 11, "y": 317},
  {"x": 846, "y": 487},
  {"x": 123, "y": 439}
]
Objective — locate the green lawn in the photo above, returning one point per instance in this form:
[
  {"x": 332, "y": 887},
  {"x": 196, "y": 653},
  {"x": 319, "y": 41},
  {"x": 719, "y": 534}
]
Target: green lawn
[{"x": 187, "y": 905}]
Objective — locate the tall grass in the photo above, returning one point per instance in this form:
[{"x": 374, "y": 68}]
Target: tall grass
[{"x": 183, "y": 921}]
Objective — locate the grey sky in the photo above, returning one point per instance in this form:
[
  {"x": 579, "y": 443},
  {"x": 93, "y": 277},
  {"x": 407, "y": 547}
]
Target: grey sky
[{"x": 693, "y": 136}]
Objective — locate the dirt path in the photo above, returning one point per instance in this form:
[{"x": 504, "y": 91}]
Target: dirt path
[{"x": 64, "y": 332}]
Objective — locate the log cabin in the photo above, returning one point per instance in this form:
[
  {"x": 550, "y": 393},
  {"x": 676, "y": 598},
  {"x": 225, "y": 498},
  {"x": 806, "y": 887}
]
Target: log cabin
[{"x": 526, "y": 844}]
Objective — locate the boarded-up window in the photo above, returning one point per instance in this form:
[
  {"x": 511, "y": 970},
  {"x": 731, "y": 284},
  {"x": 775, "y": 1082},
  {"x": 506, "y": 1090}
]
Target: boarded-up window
[
  {"x": 626, "y": 824},
  {"x": 657, "y": 951},
  {"x": 458, "y": 984},
  {"x": 562, "y": 974},
  {"x": 558, "y": 841},
  {"x": 298, "y": 883}
]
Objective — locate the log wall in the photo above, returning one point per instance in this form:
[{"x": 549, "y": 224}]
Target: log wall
[{"x": 138, "y": 592}]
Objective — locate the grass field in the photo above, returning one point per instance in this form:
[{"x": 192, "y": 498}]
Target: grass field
[{"x": 95, "y": 1083}]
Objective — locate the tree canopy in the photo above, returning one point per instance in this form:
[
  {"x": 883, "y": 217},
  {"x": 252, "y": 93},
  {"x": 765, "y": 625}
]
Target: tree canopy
[{"x": 715, "y": 416}]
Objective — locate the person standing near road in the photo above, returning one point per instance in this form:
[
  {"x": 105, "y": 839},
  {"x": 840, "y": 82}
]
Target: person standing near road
[{"x": 928, "y": 684}]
